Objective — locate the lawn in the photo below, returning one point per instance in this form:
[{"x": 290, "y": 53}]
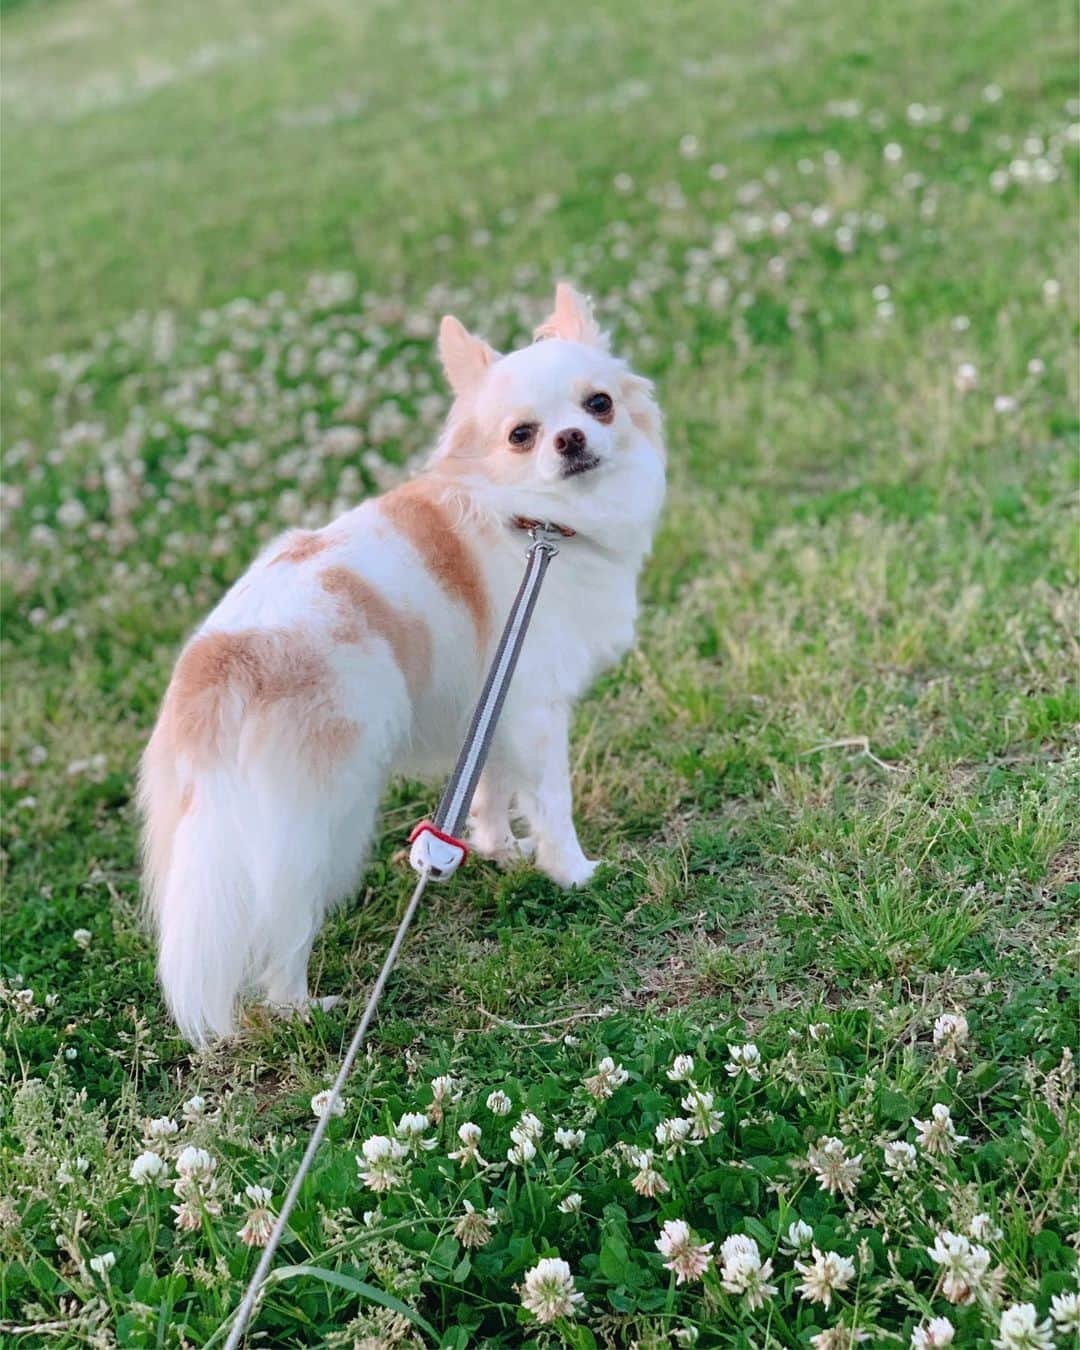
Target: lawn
[{"x": 836, "y": 783}]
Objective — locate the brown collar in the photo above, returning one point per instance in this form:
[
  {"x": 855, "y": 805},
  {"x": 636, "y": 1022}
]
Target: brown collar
[{"x": 524, "y": 523}]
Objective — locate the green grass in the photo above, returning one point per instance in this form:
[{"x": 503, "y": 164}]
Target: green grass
[{"x": 837, "y": 780}]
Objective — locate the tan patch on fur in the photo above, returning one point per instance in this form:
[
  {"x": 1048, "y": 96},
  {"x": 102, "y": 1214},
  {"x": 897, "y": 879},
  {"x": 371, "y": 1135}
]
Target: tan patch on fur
[
  {"x": 186, "y": 798},
  {"x": 362, "y": 606},
  {"x": 248, "y": 672},
  {"x": 302, "y": 546},
  {"x": 331, "y": 742},
  {"x": 645, "y": 415},
  {"x": 426, "y": 522},
  {"x": 464, "y": 440}
]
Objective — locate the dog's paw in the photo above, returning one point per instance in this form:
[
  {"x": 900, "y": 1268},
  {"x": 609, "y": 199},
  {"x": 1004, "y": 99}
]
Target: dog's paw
[
  {"x": 572, "y": 874},
  {"x": 507, "y": 850},
  {"x": 301, "y": 1007}
]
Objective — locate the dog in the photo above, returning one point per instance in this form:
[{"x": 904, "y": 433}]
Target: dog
[{"x": 356, "y": 651}]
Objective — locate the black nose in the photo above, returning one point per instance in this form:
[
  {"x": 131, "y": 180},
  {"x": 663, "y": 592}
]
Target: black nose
[{"x": 570, "y": 442}]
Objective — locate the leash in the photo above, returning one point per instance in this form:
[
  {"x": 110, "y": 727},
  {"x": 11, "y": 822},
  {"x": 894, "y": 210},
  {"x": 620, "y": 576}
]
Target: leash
[{"x": 435, "y": 855}]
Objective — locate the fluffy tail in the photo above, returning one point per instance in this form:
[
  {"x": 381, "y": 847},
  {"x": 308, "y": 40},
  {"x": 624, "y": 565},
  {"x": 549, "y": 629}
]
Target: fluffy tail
[
  {"x": 198, "y": 894},
  {"x": 258, "y": 798}
]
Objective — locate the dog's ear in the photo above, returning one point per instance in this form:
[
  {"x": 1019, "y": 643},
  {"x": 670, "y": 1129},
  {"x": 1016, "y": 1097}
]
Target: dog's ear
[
  {"x": 572, "y": 319},
  {"x": 637, "y": 395},
  {"x": 464, "y": 357}
]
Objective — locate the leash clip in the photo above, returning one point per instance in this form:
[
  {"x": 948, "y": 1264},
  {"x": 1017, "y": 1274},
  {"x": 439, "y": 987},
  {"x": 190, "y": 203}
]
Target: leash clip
[
  {"x": 543, "y": 536},
  {"x": 437, "y": 852}
]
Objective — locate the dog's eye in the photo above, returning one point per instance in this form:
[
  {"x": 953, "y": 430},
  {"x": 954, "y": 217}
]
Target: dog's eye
[
  {"x": 600, "y": 405},
  {"x": 523, "y": 436}
]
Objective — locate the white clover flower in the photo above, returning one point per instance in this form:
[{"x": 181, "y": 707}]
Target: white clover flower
[
  {"x": 381, "y": 1162},
  {"x": 742, "y": 1271},
  {"x": 321, "y": 1102},
  {"x": 469, "y": 1134},
  {"x": 1065, "y": 1312},
  {"x": 937, "y": 1134},
  {"x": 648, "y": 1181},
  {"x": 839, "y": 1337},
  {"x": 607, "y": 1078},
  {"x": 688, "y": 1259},
  {"x": 901, "y": 1158},
  {"x": 672, "y": 1135},
  {"x": 523, "y": 1151},
  {"x": 826, "y": 1274},
  {"x": 1020, "y": 1329},
  {"x": 195, "y": 1163},
  {"x": 571, "y": 1140},
  {"x": 82, "y": 937},
  {"x": 966, "y": 377},
  {"x": 147, "y": 1166},
  {"x": 193, "y": 1109},
  {"x": 163, "y": 1127},
  {"x": 64, "y": 1175},
  {"x": 498, "y": 1103},
  {"x": 194, "y": 1204},
  {"x": 1004, "y": 404},
  {"x": 444, "y": 1089},
  {"x": 259, "y": 1222},
  {"x": 950, "y": 1034},
  {"x": 819, "y": 1031},
  {"x": 410, "y": 1130},
  {"x": 71, "y": 513},
  {"x": 682, "y": 1068},
  {"x": 963, "y": 1266},
  {"x": 744, "y": 1059},
  {"x": 548, "y": 1292},
  {"x": 939, "y": 1331},
  {"x": 704, "y": 1121},
  {"x": 570, "y": 1204},
  {"x": 836, "y": 1172},
  {"x": 797, "y": 1239},
  {"x": 101, "y": 1265},
  {"x": 983, "y": 1229},
  {"x": 474, "y": 1227},
  {"x": 528, "y": 1127}
]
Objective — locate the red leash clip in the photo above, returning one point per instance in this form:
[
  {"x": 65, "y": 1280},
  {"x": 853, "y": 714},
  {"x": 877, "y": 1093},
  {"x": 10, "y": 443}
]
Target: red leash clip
[{"x": 437, "y": 852}]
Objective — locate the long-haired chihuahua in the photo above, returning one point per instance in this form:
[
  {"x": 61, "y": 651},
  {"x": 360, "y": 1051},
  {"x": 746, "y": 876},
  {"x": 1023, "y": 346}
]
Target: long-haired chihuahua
[{"x": 352, "y": 652}]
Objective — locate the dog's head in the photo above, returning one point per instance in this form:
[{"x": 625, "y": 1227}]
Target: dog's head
[{"x": 562, "y": 423}]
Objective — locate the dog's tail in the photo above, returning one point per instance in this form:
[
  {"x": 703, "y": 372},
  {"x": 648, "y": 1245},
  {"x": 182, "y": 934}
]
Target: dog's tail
[
  {"x": 258, "y": 797},
  {"x": 198, "y": 893}
]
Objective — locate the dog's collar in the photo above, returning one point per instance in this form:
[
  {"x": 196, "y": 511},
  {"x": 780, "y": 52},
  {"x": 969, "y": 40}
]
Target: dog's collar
[{"x": 526, "y": 523}]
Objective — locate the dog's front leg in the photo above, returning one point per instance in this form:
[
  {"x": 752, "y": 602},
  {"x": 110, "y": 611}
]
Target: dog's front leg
[
  {"x": 535, "y": 743},
  {"x": 490, "y": 834}
]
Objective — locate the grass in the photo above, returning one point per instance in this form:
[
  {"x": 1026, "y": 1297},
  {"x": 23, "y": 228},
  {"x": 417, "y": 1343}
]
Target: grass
[{"x": 837, "y": 780}]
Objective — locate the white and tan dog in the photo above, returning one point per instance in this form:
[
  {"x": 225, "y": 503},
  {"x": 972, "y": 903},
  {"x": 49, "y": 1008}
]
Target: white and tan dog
[{"x": 355, "y": 651}]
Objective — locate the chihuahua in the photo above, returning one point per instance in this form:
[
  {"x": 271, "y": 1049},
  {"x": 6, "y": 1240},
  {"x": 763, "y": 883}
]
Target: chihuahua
[{"x": 353, "y": 652}]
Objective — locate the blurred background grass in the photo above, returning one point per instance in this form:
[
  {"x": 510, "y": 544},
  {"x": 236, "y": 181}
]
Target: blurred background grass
[{"x": 160, "y": 155}]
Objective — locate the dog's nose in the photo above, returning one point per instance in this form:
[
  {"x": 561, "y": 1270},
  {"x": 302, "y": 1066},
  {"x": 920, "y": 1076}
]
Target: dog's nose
[{"x": 570, "y": 442}]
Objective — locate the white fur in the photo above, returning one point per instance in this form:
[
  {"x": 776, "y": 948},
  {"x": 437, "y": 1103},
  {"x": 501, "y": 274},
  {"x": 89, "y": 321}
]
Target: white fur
[{"x": 239, "y": 882}]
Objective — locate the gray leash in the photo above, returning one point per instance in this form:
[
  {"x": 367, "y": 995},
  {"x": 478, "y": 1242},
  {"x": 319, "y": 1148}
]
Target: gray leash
[{"x": 436, "y": 855}]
